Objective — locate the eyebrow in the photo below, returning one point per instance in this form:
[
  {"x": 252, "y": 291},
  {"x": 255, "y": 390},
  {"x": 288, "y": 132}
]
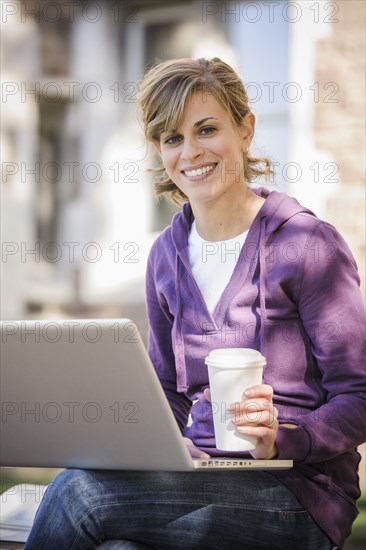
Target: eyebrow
[{"x": 199, "y": 122}]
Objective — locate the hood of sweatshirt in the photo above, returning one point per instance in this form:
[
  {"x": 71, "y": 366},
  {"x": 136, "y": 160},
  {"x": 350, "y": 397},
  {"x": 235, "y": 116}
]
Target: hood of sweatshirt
[{"x": 277, "y": 209}]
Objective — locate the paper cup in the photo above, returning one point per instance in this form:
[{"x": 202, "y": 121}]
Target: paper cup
[{"x": 231, "y": 371}]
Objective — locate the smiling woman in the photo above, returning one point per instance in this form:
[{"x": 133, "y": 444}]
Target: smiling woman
[
  {"x": 237, "y": 268},
  {"x": 205, "y": 159},
  {"x": 163, "y": 105}
]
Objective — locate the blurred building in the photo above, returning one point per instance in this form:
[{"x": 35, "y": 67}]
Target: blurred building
[{"x": 78, "y": 212}]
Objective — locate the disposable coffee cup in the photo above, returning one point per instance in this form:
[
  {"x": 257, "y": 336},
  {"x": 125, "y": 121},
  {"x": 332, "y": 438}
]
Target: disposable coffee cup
[{"x": 231, "y": 371}]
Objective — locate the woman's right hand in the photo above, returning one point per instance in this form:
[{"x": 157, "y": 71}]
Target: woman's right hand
[{"x": 194, "y": 451}]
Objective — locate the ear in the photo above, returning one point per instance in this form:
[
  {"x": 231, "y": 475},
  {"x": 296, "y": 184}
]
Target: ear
[{"x": 248, "y": 128}]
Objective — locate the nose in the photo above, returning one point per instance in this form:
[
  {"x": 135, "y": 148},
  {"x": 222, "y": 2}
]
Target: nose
[{"x": 192, "y": 148}]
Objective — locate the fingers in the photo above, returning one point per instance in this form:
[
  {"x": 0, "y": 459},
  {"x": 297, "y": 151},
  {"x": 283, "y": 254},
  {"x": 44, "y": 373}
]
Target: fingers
[
  {"x": 255, "y": 415},
  {"x": 257, "y": 410},
  {"x": 259, "y": 390},
  {"x": 207, "y": 394},
  {"x": 256, "y": 407},
  {"x": 193, "y": 450},
  {"x": 264, "y": 414},
  {"x": 256, "y": 431},
  {"x": 250, "y": 405}
]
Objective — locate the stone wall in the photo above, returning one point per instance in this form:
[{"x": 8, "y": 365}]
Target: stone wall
[
  {"x": 340, "y": 126},
  {"x": 340, "y": 129}
]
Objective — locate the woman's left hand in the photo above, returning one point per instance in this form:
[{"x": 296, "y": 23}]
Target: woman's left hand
[{"x": 257, "y": 416}]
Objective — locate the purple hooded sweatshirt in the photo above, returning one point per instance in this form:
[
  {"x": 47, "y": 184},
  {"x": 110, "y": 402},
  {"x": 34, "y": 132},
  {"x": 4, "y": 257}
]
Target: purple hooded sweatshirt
[{"x": 294, "y": 295}]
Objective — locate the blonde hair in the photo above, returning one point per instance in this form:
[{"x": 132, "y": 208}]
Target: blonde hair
[{"x": 163, "y": 94}]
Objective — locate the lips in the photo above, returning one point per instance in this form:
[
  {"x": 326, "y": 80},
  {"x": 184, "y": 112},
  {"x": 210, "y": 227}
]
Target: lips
[{"x": 200, "y": 171}]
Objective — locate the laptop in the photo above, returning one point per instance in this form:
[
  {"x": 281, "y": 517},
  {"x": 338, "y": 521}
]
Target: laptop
[{"x": 82, "y": 393}]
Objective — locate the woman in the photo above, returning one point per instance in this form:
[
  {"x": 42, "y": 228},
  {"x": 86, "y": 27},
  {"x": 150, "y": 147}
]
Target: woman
[{"x": 238, "y": 267}]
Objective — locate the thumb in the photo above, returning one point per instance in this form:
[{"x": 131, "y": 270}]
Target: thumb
[
  {"x": 207, "y": 394},
  {"x": 193, "y": 450}
]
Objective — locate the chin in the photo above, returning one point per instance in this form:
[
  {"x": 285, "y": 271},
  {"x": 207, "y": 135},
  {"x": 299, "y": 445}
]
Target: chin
[{"x": 203, "y": 200}]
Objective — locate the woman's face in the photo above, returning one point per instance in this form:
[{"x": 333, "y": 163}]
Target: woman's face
[{"x": 204, "y": 157}]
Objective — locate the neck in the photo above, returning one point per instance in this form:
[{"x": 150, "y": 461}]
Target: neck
[{"x": 226, "y": 219}]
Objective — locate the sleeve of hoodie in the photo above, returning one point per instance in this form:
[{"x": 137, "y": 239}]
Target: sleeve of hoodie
[
  {"x": 331, "y": 306},
  {"x": 160, "y": 344}
]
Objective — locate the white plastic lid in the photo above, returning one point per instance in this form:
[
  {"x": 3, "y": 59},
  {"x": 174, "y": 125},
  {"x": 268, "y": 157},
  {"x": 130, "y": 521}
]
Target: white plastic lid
[{"x": 235, "y": 358}]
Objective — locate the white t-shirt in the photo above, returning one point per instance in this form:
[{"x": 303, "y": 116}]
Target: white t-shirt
[{"x": 213, "y": 263}]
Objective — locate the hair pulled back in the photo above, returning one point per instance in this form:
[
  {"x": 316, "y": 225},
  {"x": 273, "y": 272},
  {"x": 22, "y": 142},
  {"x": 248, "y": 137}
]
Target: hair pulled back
[{"x": 163, "y": 95}]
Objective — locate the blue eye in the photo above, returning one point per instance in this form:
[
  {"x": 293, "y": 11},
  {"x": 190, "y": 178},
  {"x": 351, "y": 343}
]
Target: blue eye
[
  {"x": 172, "y": 140},
  {"x": 208, "y": 130},
  {"x": 177, "y": 138}
]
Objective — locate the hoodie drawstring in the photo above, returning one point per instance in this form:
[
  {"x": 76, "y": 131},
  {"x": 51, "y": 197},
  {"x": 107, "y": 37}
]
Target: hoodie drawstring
[
  {"x": 179, "y": 352},
  {"x": 262, "y": 285}
]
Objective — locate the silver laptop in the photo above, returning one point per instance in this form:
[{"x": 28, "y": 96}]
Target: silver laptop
[{"x": 83, "y": 393}]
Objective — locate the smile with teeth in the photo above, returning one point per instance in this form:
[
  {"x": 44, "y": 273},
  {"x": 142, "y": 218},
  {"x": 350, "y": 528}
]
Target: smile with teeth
[{"x": 200, "y": 171}]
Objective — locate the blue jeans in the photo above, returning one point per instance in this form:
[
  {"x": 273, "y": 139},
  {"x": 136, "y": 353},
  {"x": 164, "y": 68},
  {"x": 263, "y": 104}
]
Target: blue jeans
[{"x": 227, "y": 510}]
